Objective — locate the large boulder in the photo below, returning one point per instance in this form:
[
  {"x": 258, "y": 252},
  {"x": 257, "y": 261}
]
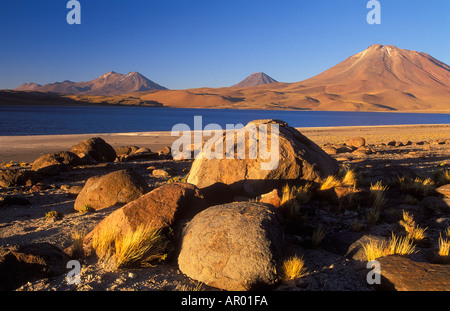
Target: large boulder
[
  {"x": 54, "y": 163},
  {"x": 114, "y": 188},
  {"x": 161, "y": 208},
  {"x": 233, "y": 246},
  {"x": 15, "y": 178},
  {"x": 25, "y": 263},
  {"x": 402, "y": 274},
  {"x": 444, "y": 190},
  {"x": 294, "y": 157},
  {"x": 96, "y": 148}
]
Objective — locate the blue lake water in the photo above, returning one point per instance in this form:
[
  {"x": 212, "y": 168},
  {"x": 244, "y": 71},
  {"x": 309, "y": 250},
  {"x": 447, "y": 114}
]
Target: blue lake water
[{"x": 46, "y": 120}]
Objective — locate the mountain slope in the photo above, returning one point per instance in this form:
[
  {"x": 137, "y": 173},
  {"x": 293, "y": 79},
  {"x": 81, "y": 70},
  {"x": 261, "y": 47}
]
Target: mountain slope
[
  {"x": 380, "y": 78},
  {"x": 111, "y": 83},
  {"x": 258, "y": 78}
]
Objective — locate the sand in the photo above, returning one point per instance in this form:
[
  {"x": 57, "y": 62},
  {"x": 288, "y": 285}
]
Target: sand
[{"x": 28, "y": 148}]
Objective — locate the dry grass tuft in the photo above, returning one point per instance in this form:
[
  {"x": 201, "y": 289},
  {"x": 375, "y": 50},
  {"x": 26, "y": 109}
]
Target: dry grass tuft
[
  {"x": 372, "y": 216},
  {"x": 444, "y": 246},
  {"x": 293, "y": 197},
  {"x": 293, "y": 268},
  {"x": 442, "y": 177},
  {"x": 77, "y": 239},
  {"x": 330, "y": 182},
  {"x": 318, "y": 235},
  {"x": 143, "y": 245},
  {"x": 417, "y": 186},
  {"x": 396, "y": 245},
  {"x": 414, "y": 231},
  {"x": 350, "y": 178},
  {"x": 377, "y": 195}
]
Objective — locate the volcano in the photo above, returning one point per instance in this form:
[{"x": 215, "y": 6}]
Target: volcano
[{"x": 258, "y": 78}]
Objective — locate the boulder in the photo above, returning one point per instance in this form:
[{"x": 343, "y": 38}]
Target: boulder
[
  {"x": 117, "y": 187},
  {"x": 356, "y": 142},
  {"x": 363, "y": 151},
  {"x": 97, "y": 148},
  {"x": 165, "y": 151},
  {"x": 160, "y": 173},
  {"x": 402, "y": 274},
  {"x": 294, "y": 157},
  {"x": 274, "y": 197},
  {"x": 329, "y": 150},
  {"x": 233, "y": 246},
  {"x": 161, "y": 208},
  {"x": 344, "y": 149},
  {"x": 444, "y": 190},
  {"x": 25, "y": 263},
  {"x": 126, "y": 150},
  {"x": 15, "y": 178},
  {"x": 55, "y": 163}
]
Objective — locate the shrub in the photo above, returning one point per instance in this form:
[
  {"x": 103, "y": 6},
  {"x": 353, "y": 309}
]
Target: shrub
[
  {"x": 293, "y": 268},
  {"x": 54, "y": 215},
  {"x": 87, "y": 208}
]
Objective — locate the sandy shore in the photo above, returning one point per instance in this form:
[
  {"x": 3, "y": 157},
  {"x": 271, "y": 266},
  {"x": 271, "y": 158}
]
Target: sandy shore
[{"x": 28, "y": 148}]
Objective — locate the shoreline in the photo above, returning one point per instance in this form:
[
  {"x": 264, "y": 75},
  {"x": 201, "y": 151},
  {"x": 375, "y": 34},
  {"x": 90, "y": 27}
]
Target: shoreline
[
  {"x": 102, "y": 105},
  {"x": 28, "y": 148}
]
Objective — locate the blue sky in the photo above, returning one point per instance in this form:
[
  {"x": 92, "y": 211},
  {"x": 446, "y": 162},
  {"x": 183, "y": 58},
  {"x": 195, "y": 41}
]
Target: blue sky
[{"x": 185, "y": 44}]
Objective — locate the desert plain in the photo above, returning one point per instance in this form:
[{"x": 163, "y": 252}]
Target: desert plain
[{"x": 336, "y": 262}]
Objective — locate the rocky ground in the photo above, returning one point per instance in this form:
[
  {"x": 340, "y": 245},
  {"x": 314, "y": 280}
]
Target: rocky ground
[{"x": 336, "y": 264}]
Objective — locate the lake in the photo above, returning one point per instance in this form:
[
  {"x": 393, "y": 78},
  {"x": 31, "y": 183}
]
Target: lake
[{"x": 46, "y": 120}]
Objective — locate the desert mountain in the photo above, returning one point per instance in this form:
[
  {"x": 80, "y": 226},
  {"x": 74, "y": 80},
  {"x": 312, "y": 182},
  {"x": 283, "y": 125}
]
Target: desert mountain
[
  {"x": 258, "y": 78},
  {"x": 111, "y": 83},
  {"x": 380, "y": 78}
]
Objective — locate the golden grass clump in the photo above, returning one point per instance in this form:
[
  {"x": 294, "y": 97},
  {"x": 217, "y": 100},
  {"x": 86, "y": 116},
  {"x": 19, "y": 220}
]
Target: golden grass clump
[
  {"x": 442, "y": 177},
  {"x": 414, "y": 231},
  {"x": 417, "y": 186},
  {"x": 143, "y": 245},
  {"x": 77, "y": 239},
  {"x": 330, "y": 182},
  {"x": 444, "y": 246},
  {"x": 293, "y": 268},
  {"x": 377, "y": 195},
  {"x": 350, "y": 178},
  {"x": 396, "y": 245},
  {"x": 293, "y": 197}
]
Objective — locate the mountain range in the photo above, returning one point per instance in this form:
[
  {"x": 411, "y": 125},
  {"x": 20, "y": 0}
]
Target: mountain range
[
  {"x": 380, "y": 78},
  {"x": 111, "y": 83}
]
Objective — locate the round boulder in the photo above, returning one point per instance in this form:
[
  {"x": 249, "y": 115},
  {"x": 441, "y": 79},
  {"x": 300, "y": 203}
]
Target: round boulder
[
  {"x": 97, "y": 148},
  {"x": 272, "y": 154},
  {"x": 161, "y": 208},
  {"x": 54, "y": 163},
  {"x": 104, "y": 191},
  {"x": 233, "y": 246},
  {"x": 356, "y": 142}
]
